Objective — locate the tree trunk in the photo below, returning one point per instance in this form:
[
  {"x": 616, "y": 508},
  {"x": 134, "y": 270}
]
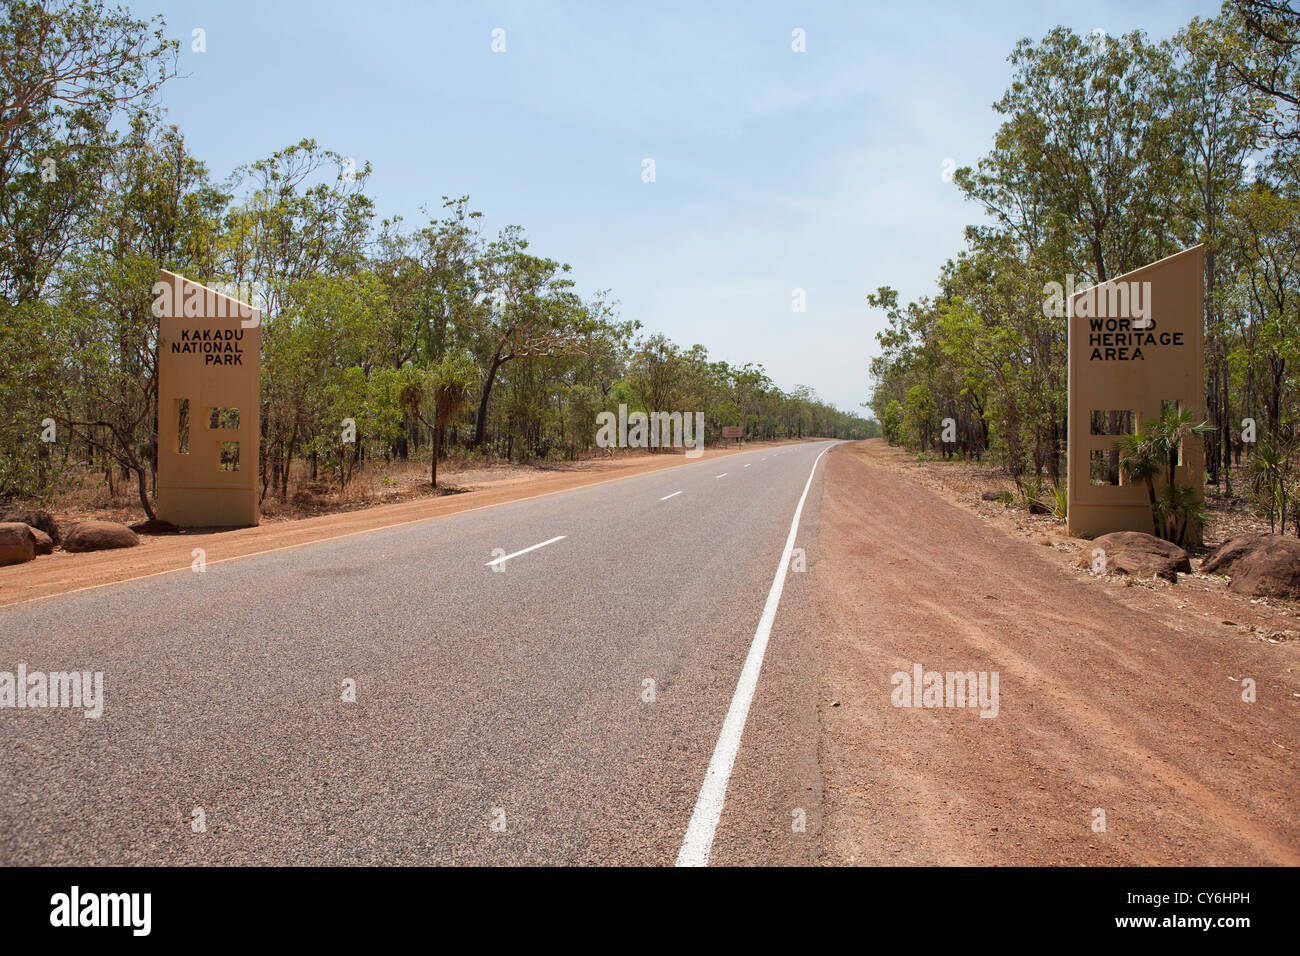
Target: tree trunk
[
  {"x": 288, "y": 463},
  {"x": 433, "y": 468},
  {"x": 1227, "y": 435},
  {"x": 144, "y": 495},
  {"x": 480, "y": 425}
]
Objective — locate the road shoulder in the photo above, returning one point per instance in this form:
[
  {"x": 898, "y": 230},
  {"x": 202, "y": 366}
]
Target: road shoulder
[{"x": 1102, "y": 707}]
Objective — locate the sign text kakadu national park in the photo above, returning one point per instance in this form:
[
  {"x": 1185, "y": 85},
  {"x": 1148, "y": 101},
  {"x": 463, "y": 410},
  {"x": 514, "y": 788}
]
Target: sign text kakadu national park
[
  {"x": 209, "y": 381},
  {"x": 220, "y": 347}
]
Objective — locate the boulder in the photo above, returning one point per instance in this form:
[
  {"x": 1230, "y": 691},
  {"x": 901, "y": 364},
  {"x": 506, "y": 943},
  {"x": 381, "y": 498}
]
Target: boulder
[
  {"x": 992, "y": 496},
  {"x": 16, "y": 543},
  {"x": 37, "y": 518},
  {"x": 1142, "y": 555},
  {"x": 1261, "y": 565},
  {"x": 44, "y": 543},
  {"x": 97, "y": 535}
]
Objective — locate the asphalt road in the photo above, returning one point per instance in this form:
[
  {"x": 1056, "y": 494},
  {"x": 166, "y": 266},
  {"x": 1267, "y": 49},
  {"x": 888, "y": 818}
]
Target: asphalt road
[{"x": 501, "y": 716}]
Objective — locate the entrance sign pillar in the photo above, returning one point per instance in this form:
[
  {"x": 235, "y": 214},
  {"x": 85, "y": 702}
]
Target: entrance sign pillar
[
  {"x": 1136, "y": 346},
  {"x": 209, "y": 380}
]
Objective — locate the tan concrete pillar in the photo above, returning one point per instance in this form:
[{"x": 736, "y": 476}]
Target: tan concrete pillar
[
  {"x": 209, "y": 382},
  {"x": 1135, "y": 343}
]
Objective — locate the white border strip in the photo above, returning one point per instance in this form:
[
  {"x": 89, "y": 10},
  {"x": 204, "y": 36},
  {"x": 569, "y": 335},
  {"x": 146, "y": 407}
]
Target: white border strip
[{"x": 698, "y": 841}]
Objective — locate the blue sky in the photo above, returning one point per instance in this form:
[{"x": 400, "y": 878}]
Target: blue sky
[{"x": 775, "y": 170}]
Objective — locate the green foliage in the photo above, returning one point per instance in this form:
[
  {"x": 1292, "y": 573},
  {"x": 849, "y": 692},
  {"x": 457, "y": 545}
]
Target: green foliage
[
  {"x": 1151, "y": 456},
  {"x": 1053, "y": 500},
  {"x": 1273, "y": 480},
  {"x": 31, "y": 339},
  {"x": 1140, "y": 460},
  {"x": 1030, "y": 491},
  {"x": 920, "y": 417},
  {"x": 69, "y": 71},
  {"x": 434, "y": 396},
  {"x": 892, "y": 422},
  {"x": 1114, "y": 152},
  {"x": 1179, "y": 509}
]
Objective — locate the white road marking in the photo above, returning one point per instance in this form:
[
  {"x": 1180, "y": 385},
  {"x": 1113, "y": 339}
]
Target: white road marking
[
  {"x": 723, "y": 475},
  {"x": 673, "y": 495},
  {"x": 315, "y": 541},
  {"x": 747, "y": 466},
  {"x": 764, "y": 459},
  {"x": 558, "y": 537},
  {"x": 698, "y": 841}
]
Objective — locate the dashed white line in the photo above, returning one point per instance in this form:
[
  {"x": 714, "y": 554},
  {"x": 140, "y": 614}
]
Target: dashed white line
[
  {"x": 698, "y": 841},
  {"x": 723, "y": 475},
  {"x": 747, "y": 466},
  {"x": 502, "y": 560},
  {"x": 673, "y": 495}
]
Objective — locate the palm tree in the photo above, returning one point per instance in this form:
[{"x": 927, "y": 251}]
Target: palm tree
[
  {"x": 449, "y": 385},
  {"x": 1139, "y": 460},
  {"x": 1171, "y": 429},
  {"x": 1180, "y": 508},
  {"x": 1151, "y": 453},
  {"x": 1270, "y": 467}
]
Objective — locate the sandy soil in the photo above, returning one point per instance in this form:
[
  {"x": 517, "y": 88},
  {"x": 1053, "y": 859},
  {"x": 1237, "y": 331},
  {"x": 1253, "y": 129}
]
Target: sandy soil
[
  {"x": 1197, "y": 599},
  {"x": 1114, "y": 698},
  {"x": 62, "y": 572}
]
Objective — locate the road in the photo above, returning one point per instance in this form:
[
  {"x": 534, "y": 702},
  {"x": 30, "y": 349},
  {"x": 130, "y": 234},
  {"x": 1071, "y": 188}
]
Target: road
[{"x": 501, "y": 661}]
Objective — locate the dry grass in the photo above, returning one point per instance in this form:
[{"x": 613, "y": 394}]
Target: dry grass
[
  {"x": 85, "y": 494},
  {"x": 1226, "y": 517}
]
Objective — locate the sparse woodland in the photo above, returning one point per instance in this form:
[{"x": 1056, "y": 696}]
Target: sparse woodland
[
  {"x": 1113, "y": 152},
  {"x": 424, "y": 333}
]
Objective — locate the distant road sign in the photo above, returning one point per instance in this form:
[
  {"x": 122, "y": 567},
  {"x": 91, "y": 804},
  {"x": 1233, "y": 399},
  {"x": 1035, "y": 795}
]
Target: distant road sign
[{"x": 733, "y": 431}]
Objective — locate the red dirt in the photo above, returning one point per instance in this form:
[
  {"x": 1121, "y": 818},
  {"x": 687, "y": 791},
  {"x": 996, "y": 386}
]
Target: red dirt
[{"x": 1103, "y": 704}]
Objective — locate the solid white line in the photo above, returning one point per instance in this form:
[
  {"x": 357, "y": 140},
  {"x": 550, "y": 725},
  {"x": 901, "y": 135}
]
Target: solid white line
[
  {"x": 723, "y": 475},
  {"x": 698, "y": 841},
  {"x": 558, "y": 537},
  {"x": 673, "y": 495}
]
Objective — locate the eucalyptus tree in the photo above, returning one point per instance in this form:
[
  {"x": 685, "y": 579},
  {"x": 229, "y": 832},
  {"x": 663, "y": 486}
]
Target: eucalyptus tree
[
  {"x": 69, "y": 69},
  {"x": 304, "y": 219},
  {"x": 1087, "y": 152},
  {"x": 1222, "y": 129},
  {"x": 1263, "y": 51},
  {"x": 528, "y": 310},
  {"x": 1265, "y": 226}
]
